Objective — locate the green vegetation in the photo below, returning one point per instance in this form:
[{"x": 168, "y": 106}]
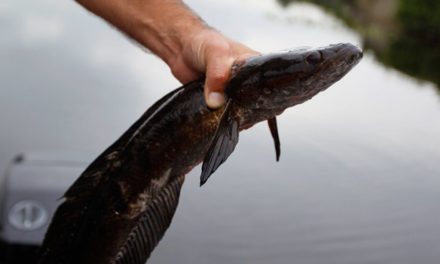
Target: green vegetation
[
  {"x": 404, "y": 34},
  {"x": 416, "y": 50}
]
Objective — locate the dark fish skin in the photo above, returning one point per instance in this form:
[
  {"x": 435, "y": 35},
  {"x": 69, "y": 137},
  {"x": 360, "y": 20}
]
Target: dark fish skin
[{"x": 122, "y": 204}]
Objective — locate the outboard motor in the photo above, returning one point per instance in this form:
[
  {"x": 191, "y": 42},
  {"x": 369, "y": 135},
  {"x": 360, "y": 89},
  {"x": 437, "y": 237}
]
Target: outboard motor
[{"x": 30, "y": 192}]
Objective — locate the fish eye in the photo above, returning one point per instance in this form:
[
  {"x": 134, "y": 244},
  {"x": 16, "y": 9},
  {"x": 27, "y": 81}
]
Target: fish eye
[{"x": 314, "y": 57}]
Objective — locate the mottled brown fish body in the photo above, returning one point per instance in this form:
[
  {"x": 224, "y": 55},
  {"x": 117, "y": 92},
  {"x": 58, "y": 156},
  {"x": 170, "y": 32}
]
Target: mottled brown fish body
[
  {"x": 137, "y": 168},
  {"x": 122, "y": 204}
]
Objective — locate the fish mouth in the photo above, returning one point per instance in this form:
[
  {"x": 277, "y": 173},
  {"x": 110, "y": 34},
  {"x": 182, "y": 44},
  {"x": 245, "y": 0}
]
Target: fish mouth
[{"x": 338, "y": 55}]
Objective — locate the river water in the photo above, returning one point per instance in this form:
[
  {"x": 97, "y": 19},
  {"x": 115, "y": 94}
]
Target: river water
[{"x": 359, "y": 175}]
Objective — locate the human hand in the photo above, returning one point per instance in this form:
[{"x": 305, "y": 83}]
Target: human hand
[
  {"x": 176, "y": 34},
  {"x": 211, "y": 53}
]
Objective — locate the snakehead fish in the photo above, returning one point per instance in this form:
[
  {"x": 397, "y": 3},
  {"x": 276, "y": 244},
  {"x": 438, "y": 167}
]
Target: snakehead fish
[{"x": 122, "y": 204}]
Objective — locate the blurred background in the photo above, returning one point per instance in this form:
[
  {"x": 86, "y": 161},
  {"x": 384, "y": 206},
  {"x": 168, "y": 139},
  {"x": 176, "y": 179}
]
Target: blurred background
[{"x": 359, "y": 175}]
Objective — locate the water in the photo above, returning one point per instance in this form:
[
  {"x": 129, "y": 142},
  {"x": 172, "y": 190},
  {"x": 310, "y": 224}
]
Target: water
[{"x": 359, "y": 175}]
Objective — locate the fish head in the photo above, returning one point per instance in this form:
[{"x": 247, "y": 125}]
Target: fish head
[{"x": 273, "y": 82}]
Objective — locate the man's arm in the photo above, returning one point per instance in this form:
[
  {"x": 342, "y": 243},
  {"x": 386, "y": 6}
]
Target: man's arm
[{"x": 179, "y": 37}]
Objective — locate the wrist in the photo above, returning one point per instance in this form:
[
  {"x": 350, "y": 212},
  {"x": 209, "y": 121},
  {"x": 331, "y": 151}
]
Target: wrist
[
  {"x": 183, "y": 37},
  {"x": 169, "y": 31}
]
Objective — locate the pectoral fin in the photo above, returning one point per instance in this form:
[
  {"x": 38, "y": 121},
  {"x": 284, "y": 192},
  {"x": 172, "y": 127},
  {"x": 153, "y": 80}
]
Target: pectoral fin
[
  {"x": 274, "y": 131},
  {"x": 222, "y": 144}
]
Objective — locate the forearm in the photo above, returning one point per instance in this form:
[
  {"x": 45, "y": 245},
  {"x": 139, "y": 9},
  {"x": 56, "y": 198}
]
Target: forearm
[
  {"x": 163, "y": 26},
  {"x": 179, "y": 37}
]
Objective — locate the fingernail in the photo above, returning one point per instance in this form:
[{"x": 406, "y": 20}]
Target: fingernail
[{"x": 215, "y": 100}]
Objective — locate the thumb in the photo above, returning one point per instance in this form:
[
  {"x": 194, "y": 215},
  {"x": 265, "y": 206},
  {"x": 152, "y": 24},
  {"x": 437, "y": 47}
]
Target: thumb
[{"x": 217, "y": 75}]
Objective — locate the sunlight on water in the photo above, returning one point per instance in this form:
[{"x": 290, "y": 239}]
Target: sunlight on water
[{"x": 358, "y": 180}]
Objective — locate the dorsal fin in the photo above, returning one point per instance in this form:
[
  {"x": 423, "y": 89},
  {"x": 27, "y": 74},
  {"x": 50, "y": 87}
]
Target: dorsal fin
[
  {"x": 84, "y": 199},
  {"x": 151, "y": 225},
  {"x": 222, "y": 144},
  {"x": 92, "y": 175},
  {"x": 276, "y": 138}
]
